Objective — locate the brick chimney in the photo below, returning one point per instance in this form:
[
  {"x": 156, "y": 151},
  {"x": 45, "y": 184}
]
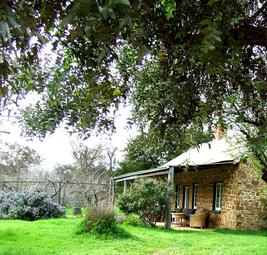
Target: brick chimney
[{"x": 218, "y": 132}]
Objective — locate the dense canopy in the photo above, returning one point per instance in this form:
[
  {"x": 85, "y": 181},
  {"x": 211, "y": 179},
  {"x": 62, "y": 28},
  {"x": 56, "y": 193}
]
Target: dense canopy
[{"x": 178, "y": 62}]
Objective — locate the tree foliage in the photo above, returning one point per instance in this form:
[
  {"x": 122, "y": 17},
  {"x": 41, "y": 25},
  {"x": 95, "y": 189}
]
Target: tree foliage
[
  {"x": 180, "y": 62},
  {"x": 85, "y": 182},
  {"x": 17, "y": 161},
  {"x": 147, "y": 198},
  {"x": 91, "y": 167},
  {"x": 152, "y": 148}
]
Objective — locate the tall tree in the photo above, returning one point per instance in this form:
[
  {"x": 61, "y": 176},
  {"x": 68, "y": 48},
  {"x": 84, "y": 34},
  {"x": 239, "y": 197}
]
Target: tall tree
[
  {"x": 180, "y": 61},
  {"x": 59, "y": 179},
  {"x": 92, "y": 169},
  {"x": 16, "y": 162}
]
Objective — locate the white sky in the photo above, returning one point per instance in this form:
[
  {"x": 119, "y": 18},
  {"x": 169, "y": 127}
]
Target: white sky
[{"x": 56, "y": 148}]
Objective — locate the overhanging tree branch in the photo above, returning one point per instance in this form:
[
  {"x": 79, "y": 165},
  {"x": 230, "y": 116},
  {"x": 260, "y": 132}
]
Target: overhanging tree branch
[
  {"x": 259, "y": 11},
  {"x": 251, "y": 35}
]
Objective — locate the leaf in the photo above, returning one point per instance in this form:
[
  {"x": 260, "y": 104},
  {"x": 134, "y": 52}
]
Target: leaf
[
  {"x": 123, "y": 2},
  {"x": 116, "y": 92},
  {"x": 3, "y": 91},
  {"x": 210, "y": 2},
  {"x": 67, "y": 19},
  {"x": 205, "y": 22},
  {"x": 30, "y": 85},
  {"x": 105, "y": 11},
  {"x": 84, "y": 122},
  {"x": 41, "y": 38},
  {"x": 126, "y": 21},
  {"x": 101, "y": 55},
  {"x": 12, "y": 21},
  {"x": 3, "y": 31}
]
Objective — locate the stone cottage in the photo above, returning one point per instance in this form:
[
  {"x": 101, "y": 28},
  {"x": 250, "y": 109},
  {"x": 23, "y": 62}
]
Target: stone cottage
[{"x": 212, "y": 177}]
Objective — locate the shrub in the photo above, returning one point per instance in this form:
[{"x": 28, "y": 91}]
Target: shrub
[
  {"x": 6, "y": 201},
  {"x": 133, "y": 219},
  {"x": 102, "y": 222},
  {"x": 29, "y": 205},
  {"x": 146, "y": 198}
]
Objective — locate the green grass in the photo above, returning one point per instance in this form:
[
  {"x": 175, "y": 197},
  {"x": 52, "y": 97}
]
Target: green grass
[{"x": 59, "y": 236}]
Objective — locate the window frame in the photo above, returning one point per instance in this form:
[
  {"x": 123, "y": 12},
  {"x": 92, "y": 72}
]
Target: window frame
[
  {"x": 217, "y": 196},
  {"x": 194, "y": 195},
  {"x": 186, "y": 195},
  {"x": 177, "y": 196}
]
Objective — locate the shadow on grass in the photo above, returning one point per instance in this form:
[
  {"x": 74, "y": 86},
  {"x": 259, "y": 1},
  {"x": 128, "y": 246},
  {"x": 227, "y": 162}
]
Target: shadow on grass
[{"x": 225, "y": 231}]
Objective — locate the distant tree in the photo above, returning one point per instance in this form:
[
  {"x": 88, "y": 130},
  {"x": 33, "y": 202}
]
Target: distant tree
[
  {"x": 59, "y": 179},
  {"x": 91, "y": 167},
  {"x": 111, "y": 153},
  {"x": 86, "y": 181},
  {"x": 64, "y": 172},
  {"x": 16, "y": 162}
]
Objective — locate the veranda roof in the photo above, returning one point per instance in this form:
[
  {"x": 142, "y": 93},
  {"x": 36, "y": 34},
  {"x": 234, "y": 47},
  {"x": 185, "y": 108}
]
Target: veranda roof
[{"x": 215, "y": 152}]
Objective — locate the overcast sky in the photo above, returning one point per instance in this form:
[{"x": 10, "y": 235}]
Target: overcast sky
[{"x": 56, "y": 148}]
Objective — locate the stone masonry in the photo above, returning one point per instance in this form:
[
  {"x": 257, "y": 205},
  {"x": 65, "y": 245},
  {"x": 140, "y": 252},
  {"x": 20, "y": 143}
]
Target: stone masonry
[
  {"x": 243, "y": 203},
  {"x": 251, "y": 203}
]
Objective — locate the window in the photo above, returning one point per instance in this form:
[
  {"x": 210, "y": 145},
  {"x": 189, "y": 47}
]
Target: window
[
  {"x": 218, "y": 196},
  {"x": 177, "y": 196},
  {"x": 186, "y": 197},
  {"x": 194, "y": 197}
]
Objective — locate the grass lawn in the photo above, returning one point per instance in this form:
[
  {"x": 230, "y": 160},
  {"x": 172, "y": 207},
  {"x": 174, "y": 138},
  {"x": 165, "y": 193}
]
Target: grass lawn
[{"x": 58, "y": 236}]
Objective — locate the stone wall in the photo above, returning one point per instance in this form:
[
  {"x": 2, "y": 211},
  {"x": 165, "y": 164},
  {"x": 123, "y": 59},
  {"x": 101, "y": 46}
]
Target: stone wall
[
  {"x": 243, "y": 206},
  {"x": 251, "y": 199},
  {"x": 205, "y": 180}
]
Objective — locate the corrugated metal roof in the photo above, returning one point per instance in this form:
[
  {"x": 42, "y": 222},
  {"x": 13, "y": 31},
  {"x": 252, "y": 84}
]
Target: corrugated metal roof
[{"x": 214, "y": 152}]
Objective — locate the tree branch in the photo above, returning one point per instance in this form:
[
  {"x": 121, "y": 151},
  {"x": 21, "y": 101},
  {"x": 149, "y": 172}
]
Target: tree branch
[
  {"x": 251, "y": 35},
  {"x": 259, "y": 11}
]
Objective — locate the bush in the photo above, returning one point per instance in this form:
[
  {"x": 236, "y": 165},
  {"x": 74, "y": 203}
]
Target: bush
[
  {"x": 102, "y": 222},
  {"x": 133, "y": 219},
  {"x": 29, "y": 205},
  {"x": 6, "y": 199},
  {"x": 146, "y": 198}
]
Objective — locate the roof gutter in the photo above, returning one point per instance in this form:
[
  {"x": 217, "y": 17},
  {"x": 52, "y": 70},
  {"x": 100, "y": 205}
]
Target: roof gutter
[{"x": 142, "y": 174}]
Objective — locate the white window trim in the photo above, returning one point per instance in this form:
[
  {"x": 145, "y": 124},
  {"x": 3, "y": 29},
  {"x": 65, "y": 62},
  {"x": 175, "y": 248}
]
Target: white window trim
[
  {"x": 195, "y": 187},
  {"x": 218, "y": 187},
  {"x": 186, "y": 197},
  {"x": 178, "y": 197}
]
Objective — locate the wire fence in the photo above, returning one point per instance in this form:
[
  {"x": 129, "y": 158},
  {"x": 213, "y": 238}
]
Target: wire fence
[{"x": 66, "y": 192}]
